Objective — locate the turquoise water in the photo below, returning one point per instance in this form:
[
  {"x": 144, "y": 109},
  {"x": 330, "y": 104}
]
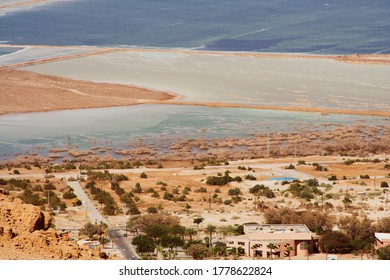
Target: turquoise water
[
  {"x": 5, "y": 51},
  {"x": 121, "y": 126},
  {"x": 315, "y": 26}
]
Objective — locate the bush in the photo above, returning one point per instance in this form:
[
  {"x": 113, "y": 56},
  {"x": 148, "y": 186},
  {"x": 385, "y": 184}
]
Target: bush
[
  {"x": 143, "y": 175},
  {"x": 332, "y": 178},
  {"x": 250, "y": 177},
  {"x": 16, "y": 172},
  {"x": 227, "y": 202},
  {"x": 384, "y": 253},
  {"x": 152, "y": 210},
  {"x": 291, "y": 166},
  {"x": 384, "y": 184},
  {"x": 168, "y": 196},
  {"x": 320, "y": 168},
  {"x": 137, "y": 188},
  {"x": 68, "y": 195},
  {"x": 235, "y": 191},
  {"x": 262, "y": 190},
  {"x": 201, "y": 190},
  {"x": 335, "y": 242}
]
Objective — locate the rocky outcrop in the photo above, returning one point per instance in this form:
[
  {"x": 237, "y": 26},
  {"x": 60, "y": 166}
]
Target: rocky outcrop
[{"x": 26, "y": 233}]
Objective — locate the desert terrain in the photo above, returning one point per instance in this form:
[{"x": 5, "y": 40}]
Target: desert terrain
[{"x": 332, "y": 171}]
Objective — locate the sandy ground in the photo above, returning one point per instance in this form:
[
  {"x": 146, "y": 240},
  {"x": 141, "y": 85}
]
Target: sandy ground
[{"x": 23, "y": 91}]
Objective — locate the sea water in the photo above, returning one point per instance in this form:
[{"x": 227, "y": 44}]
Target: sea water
[
  {"x": 120, "y": 126},
  {"x": 310, "y": 26}
]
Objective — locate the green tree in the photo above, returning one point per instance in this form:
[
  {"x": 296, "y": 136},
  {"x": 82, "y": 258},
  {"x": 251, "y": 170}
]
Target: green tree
[
  {"x": 143, "y": 243},
  {"x": 271, "y": 246},
  {"x": 91, "y": 230},
  {"x": 289, "y": 249},
  {"x": 210, "y": 230},
  {"x": 336, "y": 242},
  {"x": 226, "y": 230},
  {"x": 191, "y": 232},
  {"x": 384, "y": 253},
  {"x": 198, "y": 220},
  {"x": 197, "y": 251}
]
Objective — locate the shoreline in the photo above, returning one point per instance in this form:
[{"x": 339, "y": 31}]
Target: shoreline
[
  {"x": 102, "y": 96},
  {"x": 96, "y": 50},
  {"x": 322, "y": 111}
]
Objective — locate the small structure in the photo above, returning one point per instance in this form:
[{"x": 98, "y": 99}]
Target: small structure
[
  {"x": 382, "y": 239},
  {"x": 286, "y": 240},
  {"x": 91, "y": 244}
]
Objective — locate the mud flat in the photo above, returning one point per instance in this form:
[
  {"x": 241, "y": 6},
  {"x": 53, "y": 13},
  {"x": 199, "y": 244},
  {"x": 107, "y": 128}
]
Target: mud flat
[{"x": 23, "y": 91}]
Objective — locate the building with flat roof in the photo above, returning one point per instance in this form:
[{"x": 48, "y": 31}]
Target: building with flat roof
[{"x": 288, "y": 240}]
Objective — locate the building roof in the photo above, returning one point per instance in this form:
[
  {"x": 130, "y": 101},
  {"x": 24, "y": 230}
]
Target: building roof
[
  {"x": 274, "y": 233},
  {"x": 282, "y": 228},
  {"x": 382, "y": 236}
]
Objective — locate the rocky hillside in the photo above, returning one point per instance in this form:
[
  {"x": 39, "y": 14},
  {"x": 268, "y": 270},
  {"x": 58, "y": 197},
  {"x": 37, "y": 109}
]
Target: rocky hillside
[{"x": 25, "y": 233}]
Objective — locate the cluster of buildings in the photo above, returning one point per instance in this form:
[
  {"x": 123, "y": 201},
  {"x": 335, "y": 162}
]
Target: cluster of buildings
[{"x": 281, "y": 241}]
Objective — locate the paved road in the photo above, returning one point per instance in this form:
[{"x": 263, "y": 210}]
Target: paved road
[
  {"x": 93, "y": 214},
  {"x": 123, "y": 243},
  {"x": 124, "y": 246}
]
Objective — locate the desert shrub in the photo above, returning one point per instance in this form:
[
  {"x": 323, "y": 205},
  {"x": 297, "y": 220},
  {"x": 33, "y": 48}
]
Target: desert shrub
[
  {"x": 291, "y": 166},
  {"x": 262, "y": 190},
  {"x": 384, "y": 184},
  {"x": 227, "y": 202},
  {"x": 120, "y": 177},
  {"x": 235, "y": 191},
  {"x": 49, "y": 186},
  {"x": 332, "y": 178},
  {"x": 152, "y": 210},
  {"x": 201, "y": 190},
  {"x": 168, "y": 196},
  {"x": 321, "y": 168},
  {"x": 68, "y": 195},
  {"x": 137, "y": 188},
  {"x": 250, "y": 177},
  {"x": 384, "y": 253},
  {"x": 143, "y": 175},
  {"x": 30, "y": 198}
]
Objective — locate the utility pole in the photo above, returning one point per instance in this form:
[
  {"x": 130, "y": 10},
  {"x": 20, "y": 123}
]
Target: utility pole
[
  {"x": 68, "y": 147},
  {"x": 48, "y": 200},
  {"x": 295, "y": 150},
  {"x": 268, "y": 148}
]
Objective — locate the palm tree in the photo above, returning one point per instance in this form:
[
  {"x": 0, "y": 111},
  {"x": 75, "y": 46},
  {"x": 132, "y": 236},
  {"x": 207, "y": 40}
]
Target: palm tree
[
  {"x": 226, "y": 230},
  {"x": 210, "y": 229},
  {"x": 289, "y": 249},
  {"x": 271, "y": 246},
  {"x": 191, "y": 232},
  {"x": 253, "y": 247}
]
